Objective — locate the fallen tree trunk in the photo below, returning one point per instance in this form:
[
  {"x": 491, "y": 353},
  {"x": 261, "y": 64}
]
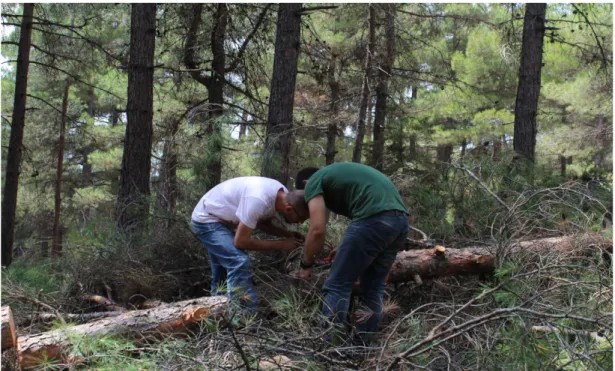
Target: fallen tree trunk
[
  {"x": 169, "y": 318},
  {"x": 415, "y": 265},
  {"x": 73, "y": 317},
  {"x": 430, "y": 263},
  {"x": 9, "y": 335}
]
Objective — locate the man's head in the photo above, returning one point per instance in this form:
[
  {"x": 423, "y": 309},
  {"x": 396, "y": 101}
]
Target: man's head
[
  {"x": 295, "y": 208},
  {"x": 303, "y": 175}
]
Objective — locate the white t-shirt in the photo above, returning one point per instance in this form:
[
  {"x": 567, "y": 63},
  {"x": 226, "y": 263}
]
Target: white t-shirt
[{"x": 247, "y": 199}]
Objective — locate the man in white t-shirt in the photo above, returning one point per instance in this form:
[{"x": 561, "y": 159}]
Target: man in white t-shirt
[{"x": 244, "y": 204}]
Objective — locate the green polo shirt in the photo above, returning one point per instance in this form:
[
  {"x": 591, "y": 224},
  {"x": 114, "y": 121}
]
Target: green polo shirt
[{"x": 354, "y": 190}]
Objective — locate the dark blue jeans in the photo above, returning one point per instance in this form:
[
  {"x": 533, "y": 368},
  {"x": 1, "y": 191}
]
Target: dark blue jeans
[
  {"x": 367, "y": 252},
  {"x": 228, "y": 263}
]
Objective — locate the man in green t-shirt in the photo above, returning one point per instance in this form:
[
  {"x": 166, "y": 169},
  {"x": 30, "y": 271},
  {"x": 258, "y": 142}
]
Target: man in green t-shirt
[{"x": 369, "y": 247}]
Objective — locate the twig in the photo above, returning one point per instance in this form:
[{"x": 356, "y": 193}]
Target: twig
[
  {"x": 483, "y": 185},
  {"x": 239, "y": 348},
  {"x": 41, "y": 304}
]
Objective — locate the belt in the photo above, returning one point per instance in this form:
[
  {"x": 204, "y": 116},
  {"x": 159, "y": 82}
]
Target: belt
[{"x": 393, "y": 212}]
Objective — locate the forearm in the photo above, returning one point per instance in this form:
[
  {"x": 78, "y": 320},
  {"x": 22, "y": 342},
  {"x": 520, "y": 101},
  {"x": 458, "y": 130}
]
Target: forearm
[
  {"x": 314, "y": 243},
  {"x": 259, "y": 245},
  {"x": 274, "y": 230}
]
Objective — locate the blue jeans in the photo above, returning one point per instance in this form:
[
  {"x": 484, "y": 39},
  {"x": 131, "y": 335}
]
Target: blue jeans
[
  {"x": 367, "y": 252},
  {"x": 228, "y": 263}
]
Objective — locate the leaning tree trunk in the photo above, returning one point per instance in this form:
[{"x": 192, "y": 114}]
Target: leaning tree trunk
[
  {"x": 170, "y": 318},
  {"x": 13, "y": 157},
  {"x": 382, "y": 89},
  {"x": 281, "y": 99},
  {"x": 132, "y": 200},
  {"x": 528, "y": 91},
  {"x": 334, "y": 85},
  {"x": 56, "y": 245},
  {"x": 365, "y": 96}
]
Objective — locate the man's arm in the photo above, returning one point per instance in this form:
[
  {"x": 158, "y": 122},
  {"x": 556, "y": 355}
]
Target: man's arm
[
  {"x": 269, "y": 227},
  {"x": 318, "y": 225},
  {"x": 243, "y": 240}
]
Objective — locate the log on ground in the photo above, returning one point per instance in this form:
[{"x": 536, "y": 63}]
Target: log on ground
[
  {"x": 9, "y": 335},
  {"x": 431, "y": 263},
  {"x": 169, "y": 318}
]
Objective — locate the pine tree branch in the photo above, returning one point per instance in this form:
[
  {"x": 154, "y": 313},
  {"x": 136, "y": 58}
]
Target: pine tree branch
[
  {"x": 243, "y": 47},
  {"x": 44, "y": 51},
  {"x": 604, "y": 59},
  {"x": 69, "y": 75}
]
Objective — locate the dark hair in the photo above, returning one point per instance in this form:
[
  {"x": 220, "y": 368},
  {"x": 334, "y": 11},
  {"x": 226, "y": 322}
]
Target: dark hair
[{"x": 304, "y": 174}]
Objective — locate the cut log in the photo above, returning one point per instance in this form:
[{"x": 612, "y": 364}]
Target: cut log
[
  {"x": 439, "y": 262},
  {"x": 9, "y": 335},
  {"x": 169, "y": 318},
  {"x": 73, "y": 317}
]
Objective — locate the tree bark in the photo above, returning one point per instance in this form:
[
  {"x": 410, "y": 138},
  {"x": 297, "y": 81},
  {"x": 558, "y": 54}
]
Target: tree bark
[
  {"x": 166, "y": 319},
  {"x": 56, "y": 245},
  {"x": 427, "y": 263},
  {"x": 334, "y": 85},
  {"x": 132, "y": 201},
  {"x": 365, "y": 96},
  {"x": 443, "y": 154},
  {"x": 382, "y": 89},
  {"x": 528, "y": 91},
  {"x": 276, "y": 158},
  {"x": 214, "y": 83},
  {"x": 9, "y": 334},
  {"x": 215, "y": 89},
  {"x": 369, "y": 120},
  {"x": 13, "y": 158},
  {"x": 243, "y": 126}
]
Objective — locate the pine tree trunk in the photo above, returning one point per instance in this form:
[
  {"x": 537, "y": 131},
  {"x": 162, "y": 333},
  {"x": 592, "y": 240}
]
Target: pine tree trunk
[
  {"x": 528, "y": 91},
  {"x": 334, "y": 85},
  {"x": 56, "y": 246},
  {"x": 365, "y": 96},
  {"x": 443, "y": 153},
  {"x": 132, "y": 201},
  {"x": 215, "y": 89},
  {"x": 213, "y": 83},
  {"x": 369, "y": 120},
  {"x": 243, "y": 126},
  {"x": 167, "y": 196},
  {"x": 13, "y": 158},
  {"x": 281, "y": 100},
  {"x": 382, "y": 89}
]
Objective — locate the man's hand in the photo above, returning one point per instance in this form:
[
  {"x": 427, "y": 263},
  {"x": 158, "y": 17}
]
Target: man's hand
[
  {"x": 332, "y": 254},
  {"x": 289, "y": 244},
  {"x": 305, "y": 274},
  {"x": 298, "y": 236}
]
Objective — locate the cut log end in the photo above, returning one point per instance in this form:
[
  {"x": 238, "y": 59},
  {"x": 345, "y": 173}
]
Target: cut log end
[
  {"x": 440, "y": 250},
  {"x": 9, "y": 334},
  {"x": 417, "y": 279}
]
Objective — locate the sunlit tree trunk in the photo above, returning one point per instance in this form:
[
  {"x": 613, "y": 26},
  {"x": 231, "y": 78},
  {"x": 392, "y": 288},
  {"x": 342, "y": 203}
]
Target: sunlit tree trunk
[{"x": 56, "y": 246}]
